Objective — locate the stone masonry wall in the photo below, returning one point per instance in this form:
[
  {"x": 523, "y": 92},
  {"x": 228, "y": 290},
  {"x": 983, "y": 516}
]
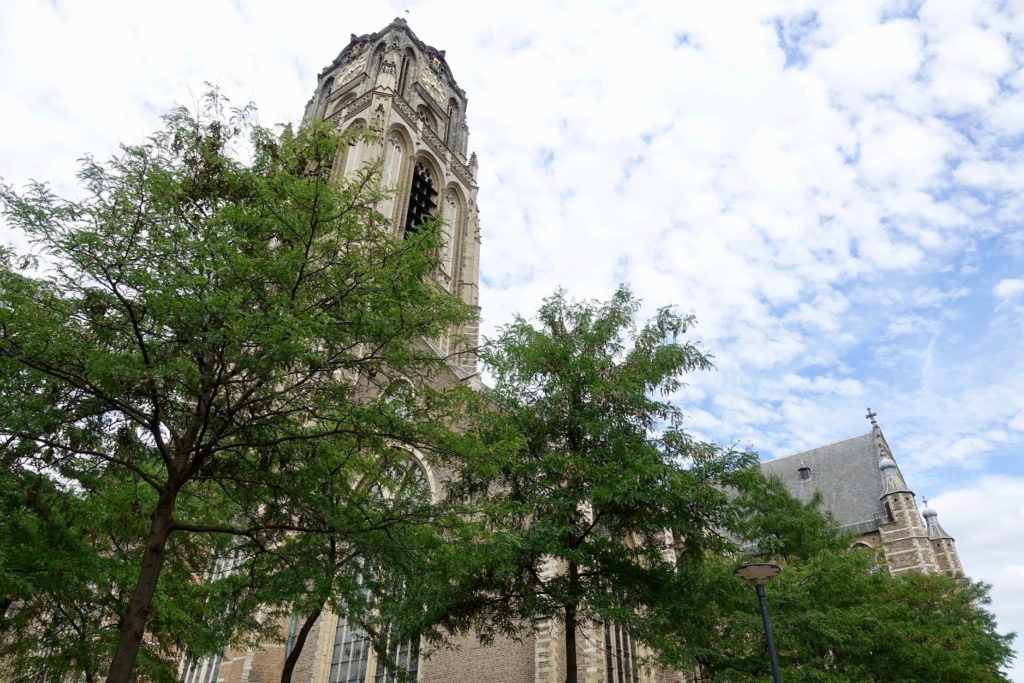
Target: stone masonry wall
[{"x": 905, "y": 540}]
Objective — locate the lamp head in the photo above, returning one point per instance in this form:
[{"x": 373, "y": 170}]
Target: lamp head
[{"x": 758, "y": 573}]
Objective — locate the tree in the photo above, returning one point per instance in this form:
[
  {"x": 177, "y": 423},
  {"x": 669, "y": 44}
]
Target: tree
[
  {"x": 212, "y": 316},
  {"x": 836, "y": 615},
  {"x": 305, "y": 574},
  {"x": 590, "y": 476},
  {"x": 68, "y": 560}
]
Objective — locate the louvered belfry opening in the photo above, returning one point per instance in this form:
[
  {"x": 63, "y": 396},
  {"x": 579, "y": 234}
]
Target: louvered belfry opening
[{"x": 422, "y": 199}]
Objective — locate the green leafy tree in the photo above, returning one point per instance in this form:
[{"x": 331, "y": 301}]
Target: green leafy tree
[
  {"x": 397, "y": 523},
  {"x": 68, "y": 560},
  {"x": 590, "y": 484},
  {"x": 207, "y": 320},
  {"x": 836, "y": 615}
]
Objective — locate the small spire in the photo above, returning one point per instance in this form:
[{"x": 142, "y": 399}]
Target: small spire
[
  {"x": 892, "y": 480},
  {"x": 871, "y": 416},
  {"x": 931, "y": 520}
]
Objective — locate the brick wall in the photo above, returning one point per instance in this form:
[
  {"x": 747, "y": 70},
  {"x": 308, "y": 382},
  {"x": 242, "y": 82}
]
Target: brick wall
[{"x": 503, "y": 661}]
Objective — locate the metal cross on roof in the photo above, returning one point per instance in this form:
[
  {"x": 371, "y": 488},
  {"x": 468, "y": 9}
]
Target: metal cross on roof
[
  {"x": 925, "y": 500},
  {"x": 871, "y": 416}
]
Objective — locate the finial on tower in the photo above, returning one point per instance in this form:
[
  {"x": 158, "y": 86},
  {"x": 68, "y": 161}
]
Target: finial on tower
[{"x": 871, "y": 416}]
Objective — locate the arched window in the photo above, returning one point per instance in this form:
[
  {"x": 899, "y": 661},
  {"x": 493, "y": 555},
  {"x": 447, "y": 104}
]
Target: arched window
[
  {"x": 452, "y": 214},
  {"x": 427, "y": 117},
  {"x": 452, "y": 132},
  {"x": 351, "y": 157},
  {"x": 399, "y": 475},
  {"x": 400, "y": 395},
  {"x": 394, "y": 170},
  {"x": 351, "y": 654},
  {"x": 334, "y": 107},
  {"x": 407, "y": 74},
  {"x": 352, "y": 659},
  {"x": 422, "y": 198},
  {"x": 620, "y": 661},
  {"x": 204, "y": 670},
  {"x": 325, "y": 92}
]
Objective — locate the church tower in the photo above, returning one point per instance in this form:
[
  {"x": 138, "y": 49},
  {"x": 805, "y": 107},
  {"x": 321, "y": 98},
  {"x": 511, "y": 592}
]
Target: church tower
[{"x": 400, "y": 88}]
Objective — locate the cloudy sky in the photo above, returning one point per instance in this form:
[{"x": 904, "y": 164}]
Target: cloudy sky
[{"x": 833, "y": 189}]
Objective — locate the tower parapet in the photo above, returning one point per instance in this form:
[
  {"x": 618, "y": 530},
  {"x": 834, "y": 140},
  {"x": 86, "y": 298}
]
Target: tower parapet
[{"x": 396, "y": 60}]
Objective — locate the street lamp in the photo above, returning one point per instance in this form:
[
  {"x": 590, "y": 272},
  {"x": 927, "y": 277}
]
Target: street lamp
[{"x": 757, "y": 575}]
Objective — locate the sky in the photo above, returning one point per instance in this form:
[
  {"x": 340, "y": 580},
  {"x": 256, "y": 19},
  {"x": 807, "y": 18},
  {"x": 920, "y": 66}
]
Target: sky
[{"x": 833, "y": 189}]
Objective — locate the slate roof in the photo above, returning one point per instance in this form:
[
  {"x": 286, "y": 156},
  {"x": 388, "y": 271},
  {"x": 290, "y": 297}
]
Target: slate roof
[{"x": 845, "y": 472}]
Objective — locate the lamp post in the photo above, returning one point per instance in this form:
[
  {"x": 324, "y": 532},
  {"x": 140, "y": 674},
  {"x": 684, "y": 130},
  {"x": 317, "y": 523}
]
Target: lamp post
[{"x": 757, "y": 575}]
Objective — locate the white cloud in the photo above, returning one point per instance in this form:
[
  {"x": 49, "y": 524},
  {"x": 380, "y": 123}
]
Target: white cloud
[
  {"x": 1009, "y": 288},
  {"x": 874, "y": 58},
  {"x": 985, "y": 520}
]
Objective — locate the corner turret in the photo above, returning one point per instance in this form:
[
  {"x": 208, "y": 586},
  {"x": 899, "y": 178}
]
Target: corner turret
[
  {"x": 904, "y": 537},
  {"x": 946, "y": 556}
]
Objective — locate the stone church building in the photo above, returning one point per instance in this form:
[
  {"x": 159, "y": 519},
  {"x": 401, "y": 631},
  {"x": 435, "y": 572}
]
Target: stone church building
[
  {"x": 403, "y": 89},
  {"x": 861, "y": 485}
]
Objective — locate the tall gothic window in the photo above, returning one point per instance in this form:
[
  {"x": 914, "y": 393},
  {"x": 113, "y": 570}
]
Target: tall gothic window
[
  {"x": 620, "y": 665},
  {"x": 205, "y": 670},
  {"x": 407, "y": 73},
  {"x": 451, "y": 213},
  {"x": 351, "y": 655},
  {"x": 451, "y": 133},
  {"x": 422, "y": 198},
  {"x": 352, "y": 659},
  {"x": 324, "y": 93},
  {"x": 405, "y": 654}
]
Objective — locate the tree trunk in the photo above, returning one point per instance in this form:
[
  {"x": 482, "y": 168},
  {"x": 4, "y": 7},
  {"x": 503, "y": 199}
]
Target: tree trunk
[
  {"x": 300, "y": 641},
  {"x": 570, "y": 643},
  {"x": 133, "y": 626}
]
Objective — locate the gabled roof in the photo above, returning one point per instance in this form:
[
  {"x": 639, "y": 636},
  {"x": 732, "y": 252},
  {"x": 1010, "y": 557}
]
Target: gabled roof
[{"x": 845, "y": 473}]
